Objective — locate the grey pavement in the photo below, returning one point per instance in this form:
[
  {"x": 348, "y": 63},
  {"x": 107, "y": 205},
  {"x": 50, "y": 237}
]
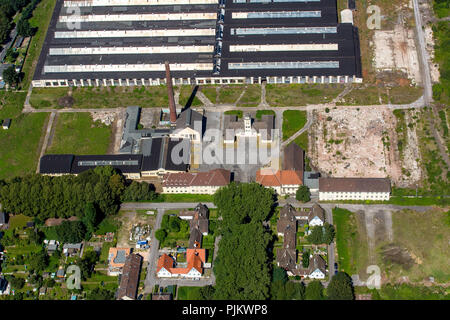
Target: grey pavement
[{"x": 150, "y": 281}]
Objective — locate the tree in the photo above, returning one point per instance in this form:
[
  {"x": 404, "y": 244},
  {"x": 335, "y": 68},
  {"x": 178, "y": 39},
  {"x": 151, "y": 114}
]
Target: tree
[
  {"x": 161, "y": 235},
  {"x": 314, "y": 291},
  {"x": 279, "y": 274},
  {"x": 90, "y": 219},
  {"x": 316, "y": 235},
  {"x": 16, "y": 283},
  {"x": 10, "y": 76},
  {"x": 5, "y": 26},
  {"x": 24, "y": 28},
  {"x": 174, "y": 224},
  {"x": 87, "y": 263},
  {"x": 303, "y": 194},
  {"x": 39, "y": 261},
  {"x": 329, "y": 233},
  {"x": 70, "y": 231},
  {"x": 305, "y": 259},
  {"x": 100, "y": 294},
  {"x": 340, "y": 287}
]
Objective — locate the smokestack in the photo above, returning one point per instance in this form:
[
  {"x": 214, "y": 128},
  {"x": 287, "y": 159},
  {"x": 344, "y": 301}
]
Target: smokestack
[{"x": 172, "y": 108}]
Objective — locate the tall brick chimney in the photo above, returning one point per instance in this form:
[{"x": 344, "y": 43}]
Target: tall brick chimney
[{"x": 172, "y": 108}]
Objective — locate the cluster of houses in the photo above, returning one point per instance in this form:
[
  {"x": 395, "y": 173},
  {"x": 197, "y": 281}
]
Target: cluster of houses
[
  {"x": 287, "y": 228},
  {"x": 195, "y": 255},
  {"x": 127, "y": 265}
]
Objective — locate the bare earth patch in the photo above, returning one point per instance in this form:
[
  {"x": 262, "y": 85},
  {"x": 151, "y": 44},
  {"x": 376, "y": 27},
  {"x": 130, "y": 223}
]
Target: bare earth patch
[{"x": 352, "y": 143}]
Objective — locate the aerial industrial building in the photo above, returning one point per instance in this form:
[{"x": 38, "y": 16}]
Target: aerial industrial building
[{"x": 126, "y": 42}]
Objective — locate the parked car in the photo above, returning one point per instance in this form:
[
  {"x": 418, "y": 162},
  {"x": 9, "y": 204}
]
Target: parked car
[{"x": 336, "y": 269}]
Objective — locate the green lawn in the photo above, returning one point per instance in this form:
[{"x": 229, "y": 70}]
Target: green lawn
[
  {"x": 41, "y": 19},
  {"x": 406, "y": 292},
  {"x": 47, "y": 97},
  {"x": 302, "y": 140},
  {"x": 229, "y": 94},
  {"x": 251, "y": 96},
  {"x": 185, "y": 94},
  {"x": 293, "y": 120},
  {"x": 259, "y": 113},
  {"x": 103, "y": 97},
  {"x": 76, "y": 133},
  {"x": 285, "y": 95},
  {"x": 189, "y": 293},
  {"x": 360, "y": 95},
  {"x": 238, "y": 113},
  {"x": 19, "y": 145},
  {"x": 350, "y": 242},
  {"x": 187, "y": 197},
  {"x": 210, "y": 92},
  {"x": 405, "y": 95}
]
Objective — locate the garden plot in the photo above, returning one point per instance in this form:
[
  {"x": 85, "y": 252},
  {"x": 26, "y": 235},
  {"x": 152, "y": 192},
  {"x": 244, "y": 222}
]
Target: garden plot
[{"x": 356, "y": 142}]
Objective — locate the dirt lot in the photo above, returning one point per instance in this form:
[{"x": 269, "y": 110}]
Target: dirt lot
[
  {"x": 363, "y": 143},
  {"x": 395, "y": 49},
  {"x": 129, "y": 219}
]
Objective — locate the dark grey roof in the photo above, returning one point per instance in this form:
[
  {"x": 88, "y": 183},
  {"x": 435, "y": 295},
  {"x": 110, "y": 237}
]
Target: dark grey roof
[
  {"x": 316, "y": 211},
  {"x": 120, "y": 162},
  {"x": 56, "y": 163},
  {"x": 354, "y": 185},
  {"x": 293, "y": 157},
  {"x": 317, "y": 262},
  {"x": 3, "y": 217},
  {"x": 195, "y": 236},
  {"x": 157, "y": 154},
  {"x": 348, "y": 54},
  {"x": 6, "y": 123},
  {"x": 188, "y": 118}
]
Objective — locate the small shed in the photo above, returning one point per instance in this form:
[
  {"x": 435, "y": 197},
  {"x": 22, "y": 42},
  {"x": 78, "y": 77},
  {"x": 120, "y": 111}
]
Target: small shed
[{"x": 6, "y": 124}]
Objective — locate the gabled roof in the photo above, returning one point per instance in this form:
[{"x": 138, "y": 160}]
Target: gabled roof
[
  {"x": 129, "y": 281},
  {"x": 317, "y": 262},
  {"x": 316, "y": 211},
  {"x": 165, "y": 262},
  {"x": 354, "y": 185},
  {"x": 216, "y": 177},
  {"x": 195, "y": 236},
  {"x": 287, "y": 218},
  {"x": 279, "y": 178},
  {"x": 187, "y": 119},
  {"x": 286, "y": 258},
  {"x": 293, "y": 157}
]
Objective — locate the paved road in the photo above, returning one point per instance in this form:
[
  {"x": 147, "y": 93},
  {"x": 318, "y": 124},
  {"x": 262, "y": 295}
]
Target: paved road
[
  {"x": 423, "y": 55},
  {"x": 47, "y": 137},
  {"x": 162, "y": 205},
  {"x": 153, "y": 256},
  {"x": 331, "y": 250}
]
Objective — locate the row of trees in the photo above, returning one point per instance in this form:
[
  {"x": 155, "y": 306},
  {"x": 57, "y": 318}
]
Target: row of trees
[
  {"x": 8, "y": 8},
  {"x": 242, "y": 266},
  {"x": 102, "y": 188},
  {"x": 322, "y": 234}
]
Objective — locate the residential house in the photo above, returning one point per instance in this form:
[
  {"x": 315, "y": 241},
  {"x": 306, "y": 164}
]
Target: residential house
[
  {"x": 316, "y": 270},
  {"x": 52, "y": 246},
  {"x": 199, "y": 224},
  {"x": 60, "y": 273},
  {"x": 129, "y": 281},
  {"x": 5, "y": 287},
  {"x": 287, "y": 228},
  {"x": 248, "y": 128},
  {"x": 314, "y": 217},
  {"x": 354, "y": 189},
  {"x": 195, "y": 259},
  {"x": 196, "y": 182},
  {"x": 284, "y": 182},
  {"x": 3, "y": 219},
  {"x": 311, "y": 180},
  {"x": 71, "y": 249},
  {"x": 6, "y": 124},
  {"x": 42, "y": 291},
  {"x": 116, "y": 260}
]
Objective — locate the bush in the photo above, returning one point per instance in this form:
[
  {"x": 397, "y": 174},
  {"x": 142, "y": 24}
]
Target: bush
[{"x": 303, "y": 194}]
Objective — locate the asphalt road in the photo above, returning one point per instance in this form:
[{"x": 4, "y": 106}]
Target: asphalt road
[{"x": 151, "y": 267}]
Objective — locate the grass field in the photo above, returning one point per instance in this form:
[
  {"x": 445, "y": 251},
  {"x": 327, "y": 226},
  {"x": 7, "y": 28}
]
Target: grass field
[
  {"x": 238, "y": 113},
  {"x": 426, "y": 237},
  {"x": 185, "y": 94},
  {"x": 19, "y": 145},
  {"x": 41, "y": 19},
  {"x": 350, "y": 242},
  {"x": 102, "y": 97},
  {"x": 210, "y": 92},
  {"x": 188, "y": 293},
  {"x": 302, "y": 140},
  {"x": 362, "y": 95},
  {"x": 406, "y": 292},
  {"x": 259, "y": 113},
  {"x": 285, "y": 95},
  {"x": 77, "y": 133},
  {"x": 229, "y": 94},
  {"x": 293, "y": 120},
  {"x": 251, "y": 97}
]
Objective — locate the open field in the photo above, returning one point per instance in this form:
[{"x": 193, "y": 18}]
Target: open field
[
  {"x": 102, "y": 97},
  {"x": 229, "y": 94},
  {"x": 251, "y": 96},
  {"x": 41, "y": 19},
  {"x": 259, "y": 113},
  {"x": 420, "y": 246},
  {"x": 210, "y": 92},
  {"x": 77, "y": 133},
  {"x": 351, "y": 241},
  {"x": 285, "y": 95},
  {"x": 406, "y": 292},
  {"x": 185, "y": 95},
  {"x": 293, "y": 120},
  {"x": 19, "y": 145},
  {"x": 189, "y": 293}
]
